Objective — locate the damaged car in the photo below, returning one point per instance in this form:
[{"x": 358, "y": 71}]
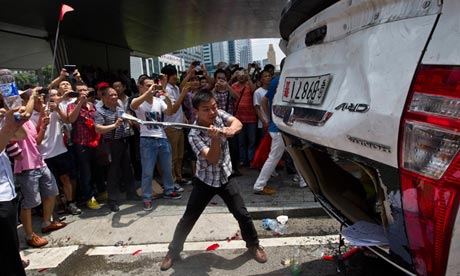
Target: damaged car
[{"x": 369, "y": 106}]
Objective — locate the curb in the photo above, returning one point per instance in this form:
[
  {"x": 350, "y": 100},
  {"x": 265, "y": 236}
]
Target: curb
[{"x": 312, "y": 209}]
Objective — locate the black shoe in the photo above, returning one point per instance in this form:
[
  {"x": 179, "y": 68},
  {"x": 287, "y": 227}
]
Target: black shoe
[
  {"x": 114, "y": 207},
  {"x": 235, "y": 173},
  {"x": 184, "y": 182}
]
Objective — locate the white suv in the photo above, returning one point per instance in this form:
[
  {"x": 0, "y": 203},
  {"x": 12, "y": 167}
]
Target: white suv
[{"x": 369, "y": 106}]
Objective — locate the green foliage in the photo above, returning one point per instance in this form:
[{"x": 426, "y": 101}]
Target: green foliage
[{"x": 40, "y": 77}]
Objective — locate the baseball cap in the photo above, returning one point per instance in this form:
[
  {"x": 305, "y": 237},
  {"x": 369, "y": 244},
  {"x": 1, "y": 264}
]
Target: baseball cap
[{"x": 102, "y": 85}]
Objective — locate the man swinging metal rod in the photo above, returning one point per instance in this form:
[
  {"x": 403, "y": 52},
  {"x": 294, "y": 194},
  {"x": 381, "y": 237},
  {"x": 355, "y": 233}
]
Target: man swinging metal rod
[{"x": 127, "y": 116}]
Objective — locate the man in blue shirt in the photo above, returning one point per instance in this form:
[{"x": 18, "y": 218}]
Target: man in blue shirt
[{"x": 277, "y": 146}]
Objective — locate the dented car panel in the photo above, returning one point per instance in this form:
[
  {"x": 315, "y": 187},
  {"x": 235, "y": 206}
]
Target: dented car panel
[{"x": 343, "y": 105}]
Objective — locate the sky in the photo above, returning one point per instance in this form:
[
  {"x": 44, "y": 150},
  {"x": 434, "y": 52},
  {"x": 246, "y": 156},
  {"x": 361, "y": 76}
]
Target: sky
[{"x": 260, "y": 49}]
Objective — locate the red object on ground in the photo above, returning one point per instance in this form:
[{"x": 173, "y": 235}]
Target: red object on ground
[
  {"x": 213, "y": 203},
  {"x": 212, "y": 247},
  {"x": 345, "y": 255},
  {"x": 234, "y": 237},
  {"x": 137, "y": 252},
  {"x": 43, "y": 270}
]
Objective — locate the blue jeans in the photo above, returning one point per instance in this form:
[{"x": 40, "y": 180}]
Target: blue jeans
[
  {"x": 152, "y": 149},
  {"x": 247, "y": 142}
]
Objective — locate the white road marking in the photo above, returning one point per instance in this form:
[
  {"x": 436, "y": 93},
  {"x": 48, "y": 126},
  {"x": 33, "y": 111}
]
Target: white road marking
[
  {"x": 47, "y": 257},
  {"x": 196, "y": 246},
  {"x": 52, "y": 257}
]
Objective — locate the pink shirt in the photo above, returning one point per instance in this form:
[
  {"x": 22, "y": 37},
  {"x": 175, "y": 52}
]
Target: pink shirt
[{"x": 32, "y": 157}]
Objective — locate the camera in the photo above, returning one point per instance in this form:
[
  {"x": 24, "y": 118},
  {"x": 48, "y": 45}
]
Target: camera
[
  {"x": 70, "y": 69},
  {"x": 44, "y": 91},
  {"x": 196, "y": 63},
  {"x": 73, "y": 94},
  {"x": 91, "y": 94}
]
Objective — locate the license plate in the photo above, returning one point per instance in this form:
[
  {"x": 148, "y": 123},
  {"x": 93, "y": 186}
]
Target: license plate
[{"x": 306, "y": 90}]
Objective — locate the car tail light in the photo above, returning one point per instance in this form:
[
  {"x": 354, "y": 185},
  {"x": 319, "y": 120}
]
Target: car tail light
[{"x": 430, "y": 165}]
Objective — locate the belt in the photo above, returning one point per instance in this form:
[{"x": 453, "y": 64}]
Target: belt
[{"x": 149, "y": 137}]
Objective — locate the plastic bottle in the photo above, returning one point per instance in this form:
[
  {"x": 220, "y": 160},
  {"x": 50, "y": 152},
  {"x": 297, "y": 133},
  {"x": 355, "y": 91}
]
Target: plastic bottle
[
  {"x": 295, "y": 261},
  {"x": 9, "y": 89},
  {"x": 282, "y": 229},
  {"x": 273, "y": 225}
]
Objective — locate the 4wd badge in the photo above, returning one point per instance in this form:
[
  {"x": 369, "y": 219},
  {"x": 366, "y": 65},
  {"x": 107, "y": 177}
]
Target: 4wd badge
[{"x": 353, "y": 107}]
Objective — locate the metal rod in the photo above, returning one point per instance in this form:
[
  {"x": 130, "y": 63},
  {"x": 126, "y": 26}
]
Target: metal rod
[{"x": 163, "y": 124}]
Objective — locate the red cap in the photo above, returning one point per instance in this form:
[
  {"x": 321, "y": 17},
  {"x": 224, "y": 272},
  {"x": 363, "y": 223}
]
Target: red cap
[{"x": 102, "y": 85}]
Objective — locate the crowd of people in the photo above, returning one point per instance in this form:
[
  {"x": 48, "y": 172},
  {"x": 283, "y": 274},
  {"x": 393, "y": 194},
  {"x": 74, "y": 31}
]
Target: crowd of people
[{"x": 72, "y": 146}]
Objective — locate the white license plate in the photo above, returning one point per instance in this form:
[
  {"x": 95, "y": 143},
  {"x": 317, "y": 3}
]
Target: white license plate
[{"x": 306, "y": 90}]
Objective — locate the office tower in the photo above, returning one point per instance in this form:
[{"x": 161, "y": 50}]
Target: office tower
[{"x": 271, "y": 55}]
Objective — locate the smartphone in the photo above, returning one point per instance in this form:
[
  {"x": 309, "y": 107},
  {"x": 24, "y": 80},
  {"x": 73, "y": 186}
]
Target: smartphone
[
  {"x": 70, "y": 69},
  {"x": 158, "y": 87},
  {"x": 91, "y": 94},
  {"x": 44, "y": 91},
  {"x": 74, "y": 94}
]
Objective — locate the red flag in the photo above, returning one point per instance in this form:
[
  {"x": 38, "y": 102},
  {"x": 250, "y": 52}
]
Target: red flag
[{"x": 64, "y": 8}]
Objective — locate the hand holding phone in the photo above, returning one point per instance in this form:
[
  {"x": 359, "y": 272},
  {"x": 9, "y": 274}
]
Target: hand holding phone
[
  {"x": 73, "y": 94},
  {"x": 44, "y": 91},
  {"x": 70, "y": 69}
]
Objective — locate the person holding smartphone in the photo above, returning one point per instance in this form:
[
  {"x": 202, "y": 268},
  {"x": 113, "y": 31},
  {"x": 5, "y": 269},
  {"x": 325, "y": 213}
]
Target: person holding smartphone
[
  {"x": 81, "y": 115},
  {"x": 154, "y": 144},
  {"x": 175, "y": 135},
  {"x": 245, "y": 112}
]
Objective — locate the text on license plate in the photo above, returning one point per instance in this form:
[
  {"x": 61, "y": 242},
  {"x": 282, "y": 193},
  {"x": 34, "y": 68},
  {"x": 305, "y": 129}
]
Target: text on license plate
[{"x": 306, "y": 90}]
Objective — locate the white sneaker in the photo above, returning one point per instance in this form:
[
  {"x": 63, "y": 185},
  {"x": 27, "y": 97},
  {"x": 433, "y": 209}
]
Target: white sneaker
[
  {"x": 302, "y": 183},
  {"x": 296, "y": 178},
  {"x": 178, "y": 188},
  {"x": 73, "y": 209}
]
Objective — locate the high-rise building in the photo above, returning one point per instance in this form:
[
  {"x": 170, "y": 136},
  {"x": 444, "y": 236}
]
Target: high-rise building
[
  {"x": 207, "y": 54},
  {"x": 233, "y": 52},
  {"x": 245, "y": 48},
  {"x": 152, "y": 65},
  {"x": 190, "y": 54},
  {"x": 220, "y": 52},
  {"x": 271, "y": 55},
  {"x": 213, "y": 53}
]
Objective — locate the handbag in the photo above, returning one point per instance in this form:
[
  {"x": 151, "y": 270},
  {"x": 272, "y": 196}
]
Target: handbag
[{"x": 262, "y": 152}]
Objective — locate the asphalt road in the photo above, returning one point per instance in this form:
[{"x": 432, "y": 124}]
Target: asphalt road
[{"x": 133, "y": 242}]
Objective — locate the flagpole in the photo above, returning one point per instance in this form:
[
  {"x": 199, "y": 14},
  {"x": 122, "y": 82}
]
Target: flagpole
[{"x": 55, "y": 47}]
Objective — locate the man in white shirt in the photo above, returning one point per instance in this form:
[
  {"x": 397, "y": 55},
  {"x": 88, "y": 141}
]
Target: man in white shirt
[
  {"x": 265, "y": 78},
  {"x": 153, "y": 142},
  {"x": 175, "y": 135}
]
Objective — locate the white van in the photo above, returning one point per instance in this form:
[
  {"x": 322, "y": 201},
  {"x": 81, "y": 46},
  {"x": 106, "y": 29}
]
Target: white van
[{"x": 369, "y": 106}]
